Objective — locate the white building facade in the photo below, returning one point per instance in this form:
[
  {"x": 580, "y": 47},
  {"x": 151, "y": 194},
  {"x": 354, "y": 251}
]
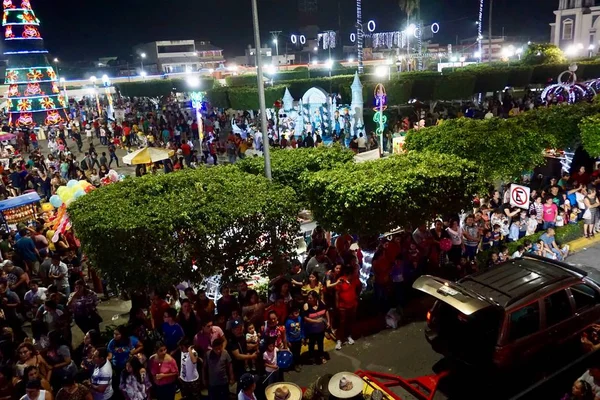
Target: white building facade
[{"x": 577, "y": 23}]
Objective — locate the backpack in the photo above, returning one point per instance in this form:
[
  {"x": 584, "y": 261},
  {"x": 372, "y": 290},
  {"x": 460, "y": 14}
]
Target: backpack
[{"x": 83, "y": 164}]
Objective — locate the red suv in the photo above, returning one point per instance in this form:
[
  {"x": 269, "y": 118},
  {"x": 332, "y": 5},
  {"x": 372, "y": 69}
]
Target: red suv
[{"x": 511, "y": 312}]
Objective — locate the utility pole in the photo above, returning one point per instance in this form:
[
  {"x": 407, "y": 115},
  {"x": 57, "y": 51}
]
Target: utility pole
[
  {"x": 261, "y": 91},
  {"x": 359, "y": 36},
  {"x": 490, "y": 34},
  {"x": 275, "y": 35}
]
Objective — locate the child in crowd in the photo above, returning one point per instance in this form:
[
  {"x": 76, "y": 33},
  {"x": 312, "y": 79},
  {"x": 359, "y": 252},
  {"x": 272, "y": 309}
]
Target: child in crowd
[
  {"x": 518, "y": 253},
  {"x": 235, "y": 316},
  {"x": 515, "y": 228},
  {"x": 505, "y": 230},
  {"x": 295, "y": 335},
  {"x": 494, "y": 259},
  {"x": 532, "y": 223},
  {"x": 503, "y": 255},
  {"x": 486, "y": 240},
  {"x": 496, "y": 235},
  {"x": 574, "y": 215},
  {"x": 270, "y": 359},
  {"x": 560, "y": 219},
  {"x": 252, "y": 339}
]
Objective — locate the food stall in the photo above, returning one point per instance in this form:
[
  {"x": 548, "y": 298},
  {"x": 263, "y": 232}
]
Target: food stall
[{"x": 20, "y": 209}]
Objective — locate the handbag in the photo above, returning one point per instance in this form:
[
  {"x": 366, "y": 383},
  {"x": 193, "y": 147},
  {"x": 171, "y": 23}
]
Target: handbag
[{"x": 587, "y": 214}]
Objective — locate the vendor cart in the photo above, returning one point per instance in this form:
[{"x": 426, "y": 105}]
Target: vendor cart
[{"x": 20, "y": 209}]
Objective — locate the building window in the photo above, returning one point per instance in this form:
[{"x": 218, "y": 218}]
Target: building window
[{"x": 567, "y": 29}]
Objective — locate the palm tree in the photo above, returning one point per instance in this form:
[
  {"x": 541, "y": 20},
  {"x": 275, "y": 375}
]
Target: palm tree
[{"x": 409, "y": 7}]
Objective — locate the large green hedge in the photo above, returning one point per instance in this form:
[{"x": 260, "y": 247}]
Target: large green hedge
[
  {"x": 148, "y": 231},
  {"x": 163, "y": 87},
  {"x": 376, "y": 196},
  {"x": 287, "y": 166},
  {"x": 501, "y": 148}
]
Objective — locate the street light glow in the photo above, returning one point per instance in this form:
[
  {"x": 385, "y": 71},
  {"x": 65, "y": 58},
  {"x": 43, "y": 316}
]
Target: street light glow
[
  {"x": 105, "y": 78},
  {"x": 315, "y": 48},
  {"x": 571, "y": 50},
  {"x": 93, "y": 79},
  {"x": 477, "y": 54},
  {"x": 580, "y": 46},
  {"x": 463, "y": 59},
  {"x": 193, "y": 81},
  {"x": 411, "y": 29},
  {"x": 382, "y": 71},
  {"x": 454, "y": 59},
  {"x": 143, "y": 55},
  {"x": 350, "y": 59},
  {"x": 591, "y": 47},
  {"x": 270, "y": 69},
  {"x": 315, "y": 62},
  {"x": 55, "y": 60},
  {"x": 329, "y": 63},
  {"x": 63, "y": 80},
  {"x": 274, "y": 41},
  {"x": 143, "y": 74}
]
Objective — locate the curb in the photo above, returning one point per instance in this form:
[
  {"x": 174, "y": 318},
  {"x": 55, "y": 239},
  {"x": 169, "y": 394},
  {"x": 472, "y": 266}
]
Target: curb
[{"x": 582, "y": 244}]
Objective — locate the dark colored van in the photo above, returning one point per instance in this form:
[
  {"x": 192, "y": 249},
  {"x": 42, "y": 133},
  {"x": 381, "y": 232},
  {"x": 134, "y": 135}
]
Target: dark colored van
[{"x": 511, "y": 312}]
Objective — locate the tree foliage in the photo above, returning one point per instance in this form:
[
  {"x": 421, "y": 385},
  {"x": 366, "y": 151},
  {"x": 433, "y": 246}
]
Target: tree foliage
[
  {"x": 287, "y": 166},
  {"x": 590, "y": 135},
  {"x": 374, "y": 197},
  {"x": 543, "y": 53},
  {"x": 501, "y": 148},
  {"x": 147, "y": 231}
]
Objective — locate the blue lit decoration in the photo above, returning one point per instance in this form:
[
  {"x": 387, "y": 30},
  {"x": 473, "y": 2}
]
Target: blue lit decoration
[
  {"x": 480, "y": 30},
  {"x": 33, "y": 95},
  {"x": 380, "y": 106}
]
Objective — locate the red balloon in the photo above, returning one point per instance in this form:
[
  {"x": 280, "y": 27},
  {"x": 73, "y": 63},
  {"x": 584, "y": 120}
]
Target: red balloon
[{"x": 88, "y": 189}]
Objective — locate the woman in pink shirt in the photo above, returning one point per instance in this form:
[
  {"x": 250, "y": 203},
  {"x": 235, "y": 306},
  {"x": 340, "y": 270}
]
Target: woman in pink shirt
[{"x": 164, "y": 372}]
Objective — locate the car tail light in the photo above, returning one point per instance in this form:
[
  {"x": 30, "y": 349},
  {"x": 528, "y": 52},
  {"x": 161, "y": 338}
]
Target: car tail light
[{"x": 428, "y": 317}]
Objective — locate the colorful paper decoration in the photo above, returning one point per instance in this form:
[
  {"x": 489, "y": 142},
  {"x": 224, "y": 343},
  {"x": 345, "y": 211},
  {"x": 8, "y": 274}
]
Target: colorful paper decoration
[
  {"x": 13, "y": 90},
  {"x": 53, "y": 118},
  {"x": 33, "y": 89},
  {"x": 24, "y": 105},
  {"x": 34, "y": 75},
  {"x": 32, "y": 81},
  {"x": 25, "y": 120},
  {"x": 47, "y": 103},
  {"x": 30, "y": 31}
]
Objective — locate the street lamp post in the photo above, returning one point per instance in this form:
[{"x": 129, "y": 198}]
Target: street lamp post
[
  {"x": 93, "y": 80},
  {"x": 64, "y": 82},
  {"x": 106, "y": 84},
  {"x": 261, "y": 91},
  {"x": 142, "y": 56},
  {"x": 56, "y": 64},
  {"x": 276, "y": 43}
]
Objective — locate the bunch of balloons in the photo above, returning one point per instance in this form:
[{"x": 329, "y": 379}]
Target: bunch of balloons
[{"x": 67, "y": 194}]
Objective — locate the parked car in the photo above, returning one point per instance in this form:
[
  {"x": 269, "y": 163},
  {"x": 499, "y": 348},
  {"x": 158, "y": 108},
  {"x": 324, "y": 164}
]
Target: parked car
[{"x": 511, "y": 312}]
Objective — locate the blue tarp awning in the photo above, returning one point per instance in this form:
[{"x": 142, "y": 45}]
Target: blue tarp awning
[{"x": 22, "y": 200}]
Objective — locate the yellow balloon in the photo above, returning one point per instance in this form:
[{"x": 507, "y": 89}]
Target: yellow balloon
[
  {"x": 84, "y": 184},
  {"x": 47, "y": 207},
  {"x": 61, "y": 190}
]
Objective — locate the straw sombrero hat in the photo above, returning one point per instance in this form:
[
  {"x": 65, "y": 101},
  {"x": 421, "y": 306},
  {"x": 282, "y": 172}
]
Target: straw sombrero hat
[
  {"x": 345, "y": 385},
  {"x": 283, "y": 391}
]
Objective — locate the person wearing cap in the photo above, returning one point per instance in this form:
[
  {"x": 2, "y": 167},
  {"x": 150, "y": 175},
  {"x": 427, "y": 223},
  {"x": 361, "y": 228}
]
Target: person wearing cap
[
  {"x": 33, "y": 391},
  {"x": 237, "y": 347},
  {"x": 247, "y": 385}
]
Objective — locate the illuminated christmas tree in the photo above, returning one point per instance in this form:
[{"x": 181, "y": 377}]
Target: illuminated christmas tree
[{"x": 33, "y": 96}]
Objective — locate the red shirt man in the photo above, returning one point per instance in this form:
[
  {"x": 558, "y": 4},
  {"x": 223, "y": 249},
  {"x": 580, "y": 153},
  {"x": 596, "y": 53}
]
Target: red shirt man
[
  {"x": 347, "y": 292},
  {"x": 186, "y": 150}
]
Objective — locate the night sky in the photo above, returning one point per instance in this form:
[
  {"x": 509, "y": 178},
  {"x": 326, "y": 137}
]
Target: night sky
[{"x": 89, "y": 29}]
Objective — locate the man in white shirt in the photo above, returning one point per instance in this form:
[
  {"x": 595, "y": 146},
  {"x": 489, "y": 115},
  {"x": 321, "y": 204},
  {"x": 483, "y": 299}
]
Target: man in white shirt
[
  {"x": 58, "y": 272},
  {"x": 101, "y": 381},
  {"x": 189, "y": 378},
  {"x": 362, "y": 143},
  {"x": 35, "y": 296}
]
